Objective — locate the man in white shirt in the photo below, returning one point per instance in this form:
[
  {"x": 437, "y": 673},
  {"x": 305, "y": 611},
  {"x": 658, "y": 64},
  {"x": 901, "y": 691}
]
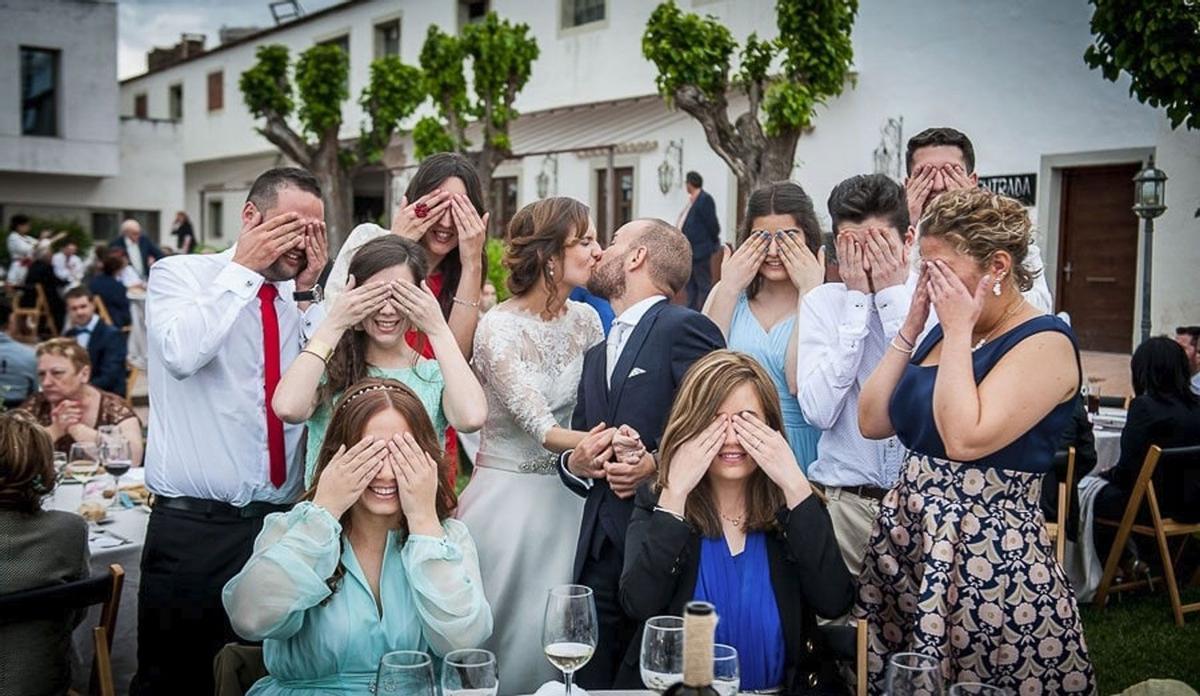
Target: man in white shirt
[
  {"x": 943, "y": 159},
  {"x": 221, "y": 330},
  {"x": 68, "y": 267},
  {"x": 844, "y": 329}
]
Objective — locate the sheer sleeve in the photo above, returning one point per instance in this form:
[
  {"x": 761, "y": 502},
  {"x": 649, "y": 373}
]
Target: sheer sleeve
[
  {"x": 338, "y": 275},
  {"x": 502, "y": 359},
  {"x": 447, "y": 588},
  {"x": 293, "y": 555}
]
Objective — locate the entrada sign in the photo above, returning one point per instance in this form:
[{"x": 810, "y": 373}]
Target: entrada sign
[{"x": 1022, "y": 187}]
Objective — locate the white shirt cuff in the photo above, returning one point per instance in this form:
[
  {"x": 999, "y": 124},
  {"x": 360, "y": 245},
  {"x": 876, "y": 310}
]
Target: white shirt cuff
[
  {"x": 562, "y": 462},
  {"x": 239, "y": 280}
]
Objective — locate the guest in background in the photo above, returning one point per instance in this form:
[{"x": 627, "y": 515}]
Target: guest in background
[
  {"x": 627, "y": 381},
  {"x": 316, "y": 579},
  {"x": 363, "y": 336},
  {"x": 141, "y": 252},
  {"x": 41, "y": 275},
  {"x": 185, "y": 237},
  {"x": 487, "y": 297},
  {"x": 702, "y": 228},
  {"x": 68, "y": 266},
  {"x": 106, "y": 346},
  {"x": 39, "y": 548},
  {"x": 529, "y": 357},
  {"x": 777, "y": 263},
  {"x": 112, "y": 292},
  {"x": 18, "y": 365},
  {"x": 844, "y": 329},
  {"x": 1077, "y": 434},
  {"x": 733, "y": 521},
  {"x": 72, "y": 410},
  {"x": 21, "y": 244},
  {"x": 603, "y": 309},
  {"x": 959, "y": 566},
  {"x": 1189, "y": 338}
]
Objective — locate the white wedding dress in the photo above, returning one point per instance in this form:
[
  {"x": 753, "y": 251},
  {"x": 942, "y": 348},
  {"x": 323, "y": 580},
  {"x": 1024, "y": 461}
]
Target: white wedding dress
[{"x": 525, "y": 523}]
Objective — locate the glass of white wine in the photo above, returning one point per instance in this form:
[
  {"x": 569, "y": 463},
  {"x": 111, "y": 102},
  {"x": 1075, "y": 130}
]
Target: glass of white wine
[
  {"x": 727, "y": 677},
  {"x": 83, "y": 461},
  {"x": 661, "y": 659},
  {"x": 569, "y": 631}
]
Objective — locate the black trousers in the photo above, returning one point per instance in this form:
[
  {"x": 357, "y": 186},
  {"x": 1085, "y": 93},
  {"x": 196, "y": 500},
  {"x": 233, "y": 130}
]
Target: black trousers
[
  {"x": 699, "y": 283},
  {"x": 602, "y": 573},
  {"x": 187, "y": 559}
]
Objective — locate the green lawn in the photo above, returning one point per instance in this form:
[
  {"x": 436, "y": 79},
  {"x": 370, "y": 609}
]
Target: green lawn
[{"x": 1135, "y": 638}]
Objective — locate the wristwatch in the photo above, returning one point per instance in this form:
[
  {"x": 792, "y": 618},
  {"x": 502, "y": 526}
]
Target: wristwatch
[{"x": 314, "y": 295}]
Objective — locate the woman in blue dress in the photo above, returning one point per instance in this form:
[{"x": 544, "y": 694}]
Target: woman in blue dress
[
  {"x": 777, "y": 261},
  {"x": 959, "y": 566},
  {"x": 369, "y": 562}
]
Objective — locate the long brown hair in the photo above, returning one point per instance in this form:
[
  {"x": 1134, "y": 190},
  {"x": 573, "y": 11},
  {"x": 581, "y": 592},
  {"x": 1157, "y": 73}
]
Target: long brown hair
[
  {"x": 780, "y": 198},
  {"x": 361, "y": 402},
  {"x": 707, "y": 384},
  {"x": 538, "y": 233},
  {"x": 26, "y": 463},
  {"x": 348, "y": 364}
]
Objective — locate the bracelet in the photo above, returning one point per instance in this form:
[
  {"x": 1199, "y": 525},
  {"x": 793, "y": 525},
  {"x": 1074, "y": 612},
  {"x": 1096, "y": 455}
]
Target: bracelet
[
  {"x": 906, "y": 351},
  {"x": 900, "y": 335},
  {"x": 659, "y": 508},
  {"x": 316, "y": 355},
  {"x": 458, "y": 300},
  {"x": 320, "y": 349}
]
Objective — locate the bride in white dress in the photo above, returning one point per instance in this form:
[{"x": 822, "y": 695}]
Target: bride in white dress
[{"x": 528, "y": 354}]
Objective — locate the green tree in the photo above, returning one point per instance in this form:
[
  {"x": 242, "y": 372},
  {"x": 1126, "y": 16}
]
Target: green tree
[
  {"x": 693, "y": 55},
  {"x": 501, "y": 56},
  {"x": 1158, "y": 45},
  {"x": 393, "y": 92}
]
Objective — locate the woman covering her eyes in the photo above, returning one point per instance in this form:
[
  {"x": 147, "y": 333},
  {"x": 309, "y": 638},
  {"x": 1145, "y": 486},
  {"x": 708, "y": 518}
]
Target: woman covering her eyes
[{"x": 370, "y": 560}]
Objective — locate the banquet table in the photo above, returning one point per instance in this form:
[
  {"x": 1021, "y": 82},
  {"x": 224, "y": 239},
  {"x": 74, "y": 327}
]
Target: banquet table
[
  {"x": 119, "y": 541},
  {"x": 1106, "y": 428}
]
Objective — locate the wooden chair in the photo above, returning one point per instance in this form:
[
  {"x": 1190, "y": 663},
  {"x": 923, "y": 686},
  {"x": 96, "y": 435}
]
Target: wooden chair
[
  {"x": 1161, "y": 529},
  {"x": 848, "y": 643},
  {"x": 860, "y": 657},
  {"x": 30, "y": 318},
  {"x": 1057, "y": 530},
  {"x": 102, "y": 674},
  {"x": 102, "y": 309}
]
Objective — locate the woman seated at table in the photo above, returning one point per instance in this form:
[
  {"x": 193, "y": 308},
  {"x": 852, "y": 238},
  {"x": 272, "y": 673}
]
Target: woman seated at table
[
  {"x": 733, "y": 521},
  {"x": 365, "y": 330},
  {"x": 72, "y": 410},
  {"x": 315, "y": 591},
  {"x": 108, "y": 286},
  {"x": 39, "y": 548},
  {"x": 1164, "y": 412}
]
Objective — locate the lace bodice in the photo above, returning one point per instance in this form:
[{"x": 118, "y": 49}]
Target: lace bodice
[{"x": 530, "y": 370}]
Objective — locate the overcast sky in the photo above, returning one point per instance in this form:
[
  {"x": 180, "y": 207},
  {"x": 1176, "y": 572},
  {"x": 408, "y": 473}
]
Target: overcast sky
[{"x": 144, "y": 24}]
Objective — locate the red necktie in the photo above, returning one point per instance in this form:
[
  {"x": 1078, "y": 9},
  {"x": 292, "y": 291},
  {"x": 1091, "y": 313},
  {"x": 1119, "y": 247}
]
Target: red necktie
[{"x": 270, "y": 321}]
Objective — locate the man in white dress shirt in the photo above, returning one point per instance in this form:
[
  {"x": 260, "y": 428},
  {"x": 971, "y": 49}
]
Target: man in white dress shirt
[
  {"x": 68, "y": 267},
  {"x": 844, "y": 329},
  {"x": 221, "y": 329}
]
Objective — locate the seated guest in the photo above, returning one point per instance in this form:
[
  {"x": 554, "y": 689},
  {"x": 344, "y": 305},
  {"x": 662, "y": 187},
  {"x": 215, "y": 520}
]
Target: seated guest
[
  {"x": 1078, "y": 434},
  {"x": 39, "y": 548},
  {"x": 41, "y": 274},
  {"x": 72, "y": 410},
  {"x": 1164, "y": 412},
  {"x": 18, "y": 365},
  {"x": 1189, "y": 338},
  {"x": 105, "y": 345},
  {"x": 107, "y": 285},
  {"x": 733, "y": 521},
  {"x": 363, "y": 336},
  {"x": 380, "y": 500}
]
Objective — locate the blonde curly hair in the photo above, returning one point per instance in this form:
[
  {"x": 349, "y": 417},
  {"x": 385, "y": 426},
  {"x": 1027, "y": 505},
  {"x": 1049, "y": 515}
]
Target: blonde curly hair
[{"x": 980, "y": 223}]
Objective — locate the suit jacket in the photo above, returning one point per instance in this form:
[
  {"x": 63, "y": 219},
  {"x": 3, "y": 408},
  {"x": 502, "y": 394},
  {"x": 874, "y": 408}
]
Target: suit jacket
[
  {"x": 701, "y": 227},
  {"x": 148, "y": 248},
  {"x": 662, "y": 346},
  {"x": 107, "y": 348},
  {"x": 808, "y": 576},
  {"x": 115, "y": 297}
]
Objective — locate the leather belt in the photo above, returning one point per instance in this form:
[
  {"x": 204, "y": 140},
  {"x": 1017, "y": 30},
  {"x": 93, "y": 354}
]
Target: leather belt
[
  {"x": 866, "y": 491},
  {"x": 215, "y": 508}
]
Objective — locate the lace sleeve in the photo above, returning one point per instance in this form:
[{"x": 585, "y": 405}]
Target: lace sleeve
[{"x": 502, "y": 363}]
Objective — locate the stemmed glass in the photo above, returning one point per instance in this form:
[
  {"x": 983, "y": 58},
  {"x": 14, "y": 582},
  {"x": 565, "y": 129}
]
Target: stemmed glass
[
  {"x": 976, "y": 689},
  {"x": 404, "y": 673},
  {"x": 569, "y": 629},
  {"x": 727, "y": 679},
  {"x": 83, "y": 461},
  {"x": 470, "y": 673},
  {"x": 117, "y": 459},
  {"x": 662, "y": 653},
  {"x": 914, "y": 674}
]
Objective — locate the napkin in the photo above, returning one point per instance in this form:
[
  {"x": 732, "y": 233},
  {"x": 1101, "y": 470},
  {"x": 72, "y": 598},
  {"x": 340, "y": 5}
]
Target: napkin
[{"x": 556, "y": 688}]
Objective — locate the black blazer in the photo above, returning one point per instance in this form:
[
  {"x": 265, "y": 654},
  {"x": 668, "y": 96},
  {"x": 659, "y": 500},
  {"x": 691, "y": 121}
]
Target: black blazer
[
  {"x": 662, "y": 563},
  {"x": 701, "y": 227},
  {"x": 107, "y": 348},
  {"x": 148, "y": 248},
  {"x": 1153, "y": 420},
  {"x": 663, "y": 345}
]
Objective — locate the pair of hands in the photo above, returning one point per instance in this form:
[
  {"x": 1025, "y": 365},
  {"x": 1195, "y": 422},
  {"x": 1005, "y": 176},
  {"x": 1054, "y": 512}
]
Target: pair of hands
[
  {"x": 881, "y": 260},
  {"x": 67, "y": 414},
  {"x": 350, "y": 471},
  {"x": 262, "y": 245},
  {"x": 928, "y": 178},
  {"x": 958, "y": 307},
  {"x": 452, "y": 210},
  {"x": 768, "y": 448},
  {"x": 614, "y": 454},
  {"x": 355, "y": 303},
  {"x": 806, "y": 270}
]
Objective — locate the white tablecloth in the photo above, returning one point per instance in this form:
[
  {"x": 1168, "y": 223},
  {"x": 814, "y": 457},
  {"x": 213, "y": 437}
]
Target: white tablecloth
[
  {"x": 1108, "y": 448},
  {"x": 127, "y": 524}
]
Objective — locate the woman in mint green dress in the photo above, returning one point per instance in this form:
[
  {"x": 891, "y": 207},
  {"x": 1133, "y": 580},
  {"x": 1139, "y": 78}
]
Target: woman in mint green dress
[
  {"x": 363, "y": 335},
  {"x": 369, "y": 562}
]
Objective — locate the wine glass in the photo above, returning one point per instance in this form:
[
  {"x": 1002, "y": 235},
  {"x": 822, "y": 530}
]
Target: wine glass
[
  {"x": 404, "y": 673},
  {"x": 60, "y": 465},
  {"x": 117, "y": 459},
  {"x": 569, "y": 629},
  {"x": 470, "y": 673},
  {"x": 976, "y": 689},
  {"x": 914, "y": 674},
  {"x": 83, "y": 461},
  {"x": 726, "y": 671},
  {"x": 662, "y": 653}
]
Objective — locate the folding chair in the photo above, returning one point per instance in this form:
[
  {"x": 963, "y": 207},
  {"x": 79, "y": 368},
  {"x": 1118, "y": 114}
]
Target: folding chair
[
  {"x": 102, "y": 309},
  {"x": 30, "y": 318},
  {"x": 1057, "y": 530},
  {"x": 1161, "y": 529},
  {"x": 848, "y": 643}
]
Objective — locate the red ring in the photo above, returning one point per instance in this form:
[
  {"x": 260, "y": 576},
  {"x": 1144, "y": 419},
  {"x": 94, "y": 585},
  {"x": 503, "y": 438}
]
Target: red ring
[{"x": 421, "y": 210}]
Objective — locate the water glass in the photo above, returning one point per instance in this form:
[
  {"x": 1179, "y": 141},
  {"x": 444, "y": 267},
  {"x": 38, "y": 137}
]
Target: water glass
[
  {"x": 914, "y": 674},
  {"x": 662, "y": 653},
  {"x": 470, "y": 673},
  {"x": 404, "y": 673},
  {"x": 569, "y": 629},
  {"x": 976, "y": 689},
  {"x": 726, "y": 671}
]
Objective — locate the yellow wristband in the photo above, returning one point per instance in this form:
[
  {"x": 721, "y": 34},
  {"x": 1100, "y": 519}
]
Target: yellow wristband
[{"x": 320, "y": 349}]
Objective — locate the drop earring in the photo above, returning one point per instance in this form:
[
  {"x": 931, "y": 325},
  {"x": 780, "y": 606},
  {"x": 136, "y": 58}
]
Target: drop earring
[
  {"x": 996, "y": 287},
  {"x": 550, "y": 269}
]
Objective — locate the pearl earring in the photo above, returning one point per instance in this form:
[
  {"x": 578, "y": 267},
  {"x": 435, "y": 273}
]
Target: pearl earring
[
  {"x": 550, "y": 269},
  {"x": 996, "y": 287}
]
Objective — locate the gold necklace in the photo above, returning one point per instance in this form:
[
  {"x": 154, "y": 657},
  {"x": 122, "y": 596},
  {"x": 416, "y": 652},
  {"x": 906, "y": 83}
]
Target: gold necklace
[
  {"x": 996, "y": 327},
  {"x": 735, "y": 521}
]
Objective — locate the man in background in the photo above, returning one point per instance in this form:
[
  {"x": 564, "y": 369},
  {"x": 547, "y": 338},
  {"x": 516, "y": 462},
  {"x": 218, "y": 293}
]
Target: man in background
[
  {"x": 18, "y": 365},
  {"x": 141, "y": 252},
  {"x": 703, "y": 231},
  {"x": 1189, "y": 338},
  {"x": 106, "y": 345},
  {"x": 68, "y": 266}
]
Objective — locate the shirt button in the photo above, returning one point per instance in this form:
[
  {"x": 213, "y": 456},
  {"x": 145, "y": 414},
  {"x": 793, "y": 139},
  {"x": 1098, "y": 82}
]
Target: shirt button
[{"x": 249, "y": 283}]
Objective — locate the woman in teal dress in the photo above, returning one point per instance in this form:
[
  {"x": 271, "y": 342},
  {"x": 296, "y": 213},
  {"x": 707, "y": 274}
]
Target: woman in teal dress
[
  {"x": 777, "y": 261},
  {"x": 370, "y": 560},
  {"x": 363, "y": 335}
]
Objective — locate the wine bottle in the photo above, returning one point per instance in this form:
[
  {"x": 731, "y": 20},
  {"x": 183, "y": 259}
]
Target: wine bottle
[{"x": 699, "y": 629}]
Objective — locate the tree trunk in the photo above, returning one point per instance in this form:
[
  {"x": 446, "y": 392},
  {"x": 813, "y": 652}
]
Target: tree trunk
[{"x": 337, "y": 188}]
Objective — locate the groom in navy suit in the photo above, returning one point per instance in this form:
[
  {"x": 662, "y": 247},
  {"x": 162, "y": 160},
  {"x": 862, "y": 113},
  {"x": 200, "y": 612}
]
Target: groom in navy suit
[{"x": 625, "y": 393}]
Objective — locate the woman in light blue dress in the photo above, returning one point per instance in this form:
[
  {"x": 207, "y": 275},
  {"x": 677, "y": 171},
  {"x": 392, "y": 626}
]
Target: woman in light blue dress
[
  {"x": 369, "y": 562},
  {"x": 777, "y": 261}
]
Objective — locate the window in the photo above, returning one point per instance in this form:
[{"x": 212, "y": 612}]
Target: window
[
  {"x": 342, "y": 42},
  {"x": 105, "y": 225},
  {"x": 624, "y": 200},
  {"x": 39, "y": 91},
  {"x": 472, "y": 11},
  {"x": 216, "y": 91},
  {"x": 504, "y": 196},
  {"x": 175, "y": 102},
  {"x": 216, "y": 209},
  {"x": 576, "y": 13},
  {"x": 387, "y": 39},
  {"x": 139, "y": 106}
]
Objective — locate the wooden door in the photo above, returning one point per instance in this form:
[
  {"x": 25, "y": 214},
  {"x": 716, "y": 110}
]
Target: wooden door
[{"x": 1097, "y": 262}]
